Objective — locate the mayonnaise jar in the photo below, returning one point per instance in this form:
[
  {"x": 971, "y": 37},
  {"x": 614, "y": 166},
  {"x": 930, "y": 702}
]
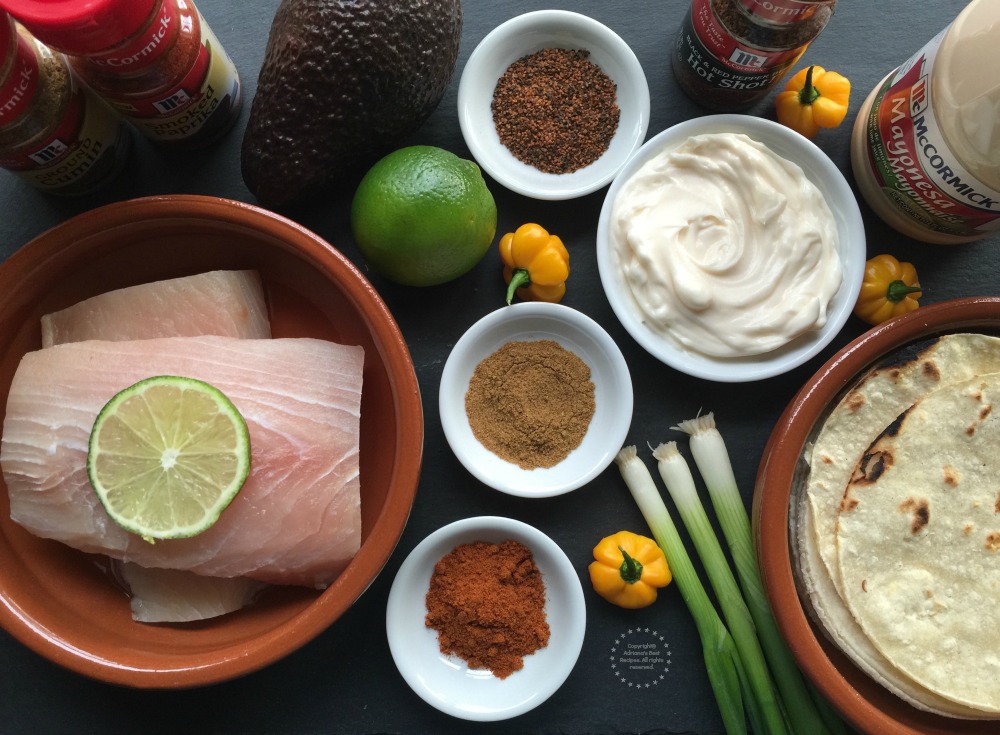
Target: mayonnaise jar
[{"x": 726, "y": 248}]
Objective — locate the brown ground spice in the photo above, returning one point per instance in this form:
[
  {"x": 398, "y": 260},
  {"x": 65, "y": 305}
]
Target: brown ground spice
[
  {"x": 555, "y": 110},
  {"x": 531, "y": 402},
  {"x": 487, "y": 603}
]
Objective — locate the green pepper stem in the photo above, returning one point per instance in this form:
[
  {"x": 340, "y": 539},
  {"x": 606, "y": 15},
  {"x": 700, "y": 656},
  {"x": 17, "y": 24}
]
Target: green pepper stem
[
  {"x": 809, "y": 93},
  {"x": 631, "y": 569},
  {"x": 897, "y": 291},
  {"x": 520, "y": 277}
]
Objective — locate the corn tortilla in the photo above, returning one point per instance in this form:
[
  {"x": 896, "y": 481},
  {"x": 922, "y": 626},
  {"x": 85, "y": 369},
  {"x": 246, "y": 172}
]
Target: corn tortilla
[{"x": 854, "y": 423}]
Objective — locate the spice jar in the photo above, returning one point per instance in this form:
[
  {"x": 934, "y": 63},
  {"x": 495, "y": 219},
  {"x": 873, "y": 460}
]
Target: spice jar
[
  {"x": 730, "y": 53},
  {"x": 925, "y": 150},
  {"x": 156, "y": 61},
  {"x": 54, "y": 133}
]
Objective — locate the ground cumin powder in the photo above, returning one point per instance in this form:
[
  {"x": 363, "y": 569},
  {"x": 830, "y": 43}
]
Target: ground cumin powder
[
  {"x": 530, "y": 402},
  {"x": 487, "y": 603}
]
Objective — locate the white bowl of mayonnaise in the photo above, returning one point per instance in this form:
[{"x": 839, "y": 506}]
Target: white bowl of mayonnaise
[{"x": 731, "y": 248}]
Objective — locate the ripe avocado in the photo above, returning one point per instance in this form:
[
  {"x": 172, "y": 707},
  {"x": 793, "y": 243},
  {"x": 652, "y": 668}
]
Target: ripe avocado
[{"x": 342, "y": 82}]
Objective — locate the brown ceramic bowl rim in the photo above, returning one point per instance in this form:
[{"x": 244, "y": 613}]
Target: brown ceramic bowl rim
[
  {"x": 775, "y": 480},
  {"x": 243, "y": 658}
]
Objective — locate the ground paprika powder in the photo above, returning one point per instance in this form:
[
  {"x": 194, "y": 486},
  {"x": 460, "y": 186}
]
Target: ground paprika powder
[{"x": 487, "y": 603}]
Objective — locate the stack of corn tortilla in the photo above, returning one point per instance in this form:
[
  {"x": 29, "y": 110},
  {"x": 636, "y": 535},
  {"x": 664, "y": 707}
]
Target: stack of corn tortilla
[{"x": 897, "y": 526}]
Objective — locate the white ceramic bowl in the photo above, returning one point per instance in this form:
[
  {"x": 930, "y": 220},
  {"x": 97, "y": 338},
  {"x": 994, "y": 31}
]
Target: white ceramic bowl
[
  {"x": 526, "y": 34},
  {"x": 446, "y": 682},
  {"x": 850, "y": 227},
  {"x": 612, "y": 395}
]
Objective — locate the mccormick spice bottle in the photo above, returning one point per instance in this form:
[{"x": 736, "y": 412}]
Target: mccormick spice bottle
[
  {"x": 156, "y": 61},
  {"x": 54, "y": 133},
  {"x": 926, "y": 144},
  {"x": 730, "y": 53}
]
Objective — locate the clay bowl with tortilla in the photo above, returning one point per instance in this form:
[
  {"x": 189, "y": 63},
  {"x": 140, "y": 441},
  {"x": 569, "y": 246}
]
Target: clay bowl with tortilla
[
  {"x": 63, "y": 605},
  {"x": 878, "y": 587}
]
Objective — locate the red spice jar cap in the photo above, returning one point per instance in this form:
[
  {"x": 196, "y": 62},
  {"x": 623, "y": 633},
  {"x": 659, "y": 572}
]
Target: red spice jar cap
[{"x": 81, "y": 26}]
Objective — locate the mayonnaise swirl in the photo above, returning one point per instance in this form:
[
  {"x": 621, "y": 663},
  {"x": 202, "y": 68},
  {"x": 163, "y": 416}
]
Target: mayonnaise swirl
[{"x": 726, "y": 247}]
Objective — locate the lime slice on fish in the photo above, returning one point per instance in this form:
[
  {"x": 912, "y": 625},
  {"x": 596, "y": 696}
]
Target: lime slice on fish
[{"x": 167, "y": 455}]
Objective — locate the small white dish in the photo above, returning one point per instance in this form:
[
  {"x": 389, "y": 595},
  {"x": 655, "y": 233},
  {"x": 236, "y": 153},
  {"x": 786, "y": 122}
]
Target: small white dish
[
  {"x": 525, "y": 34},
  {"x": 850, "y": 227},
  {"x": 446, "y": 682},
  {"x": 612, "y": 396}
]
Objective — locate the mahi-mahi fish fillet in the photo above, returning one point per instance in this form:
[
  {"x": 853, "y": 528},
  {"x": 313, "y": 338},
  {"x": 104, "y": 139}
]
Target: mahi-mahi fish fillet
[
  {"x": 226, "y": 303},
  {"x": 297, "y": 518}
]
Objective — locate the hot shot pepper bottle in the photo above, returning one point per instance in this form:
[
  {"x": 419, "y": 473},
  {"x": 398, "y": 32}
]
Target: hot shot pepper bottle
[
  {"x": 926, "y": 143},
  {"x": 156, "y": 61},
  {"x": 54, "y": 133}
]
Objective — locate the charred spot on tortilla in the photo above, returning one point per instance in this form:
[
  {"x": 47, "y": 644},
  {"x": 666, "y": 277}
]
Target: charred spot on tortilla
[
  {"x": 968, "y": 529},
  {"x": 996, "y": 505},
  {"x": 931, "y": 371},
  {"x": 993, "y": 541},
  {"x": 849, "y": 503},
  {"x": 950, "y": 476},
  {"x": 920, "y": 513},
  {"x": 871, "y": 466},
  {"x": 854, "y": 401}
]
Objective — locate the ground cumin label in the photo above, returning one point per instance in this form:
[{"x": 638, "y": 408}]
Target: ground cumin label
[
  {"x": 531, "y": 402},
  {"x": 487, "y": 603}
]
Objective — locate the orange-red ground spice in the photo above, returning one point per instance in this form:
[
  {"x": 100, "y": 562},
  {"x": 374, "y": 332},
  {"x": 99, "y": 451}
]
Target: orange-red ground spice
[{"x": 487, "y": 603}]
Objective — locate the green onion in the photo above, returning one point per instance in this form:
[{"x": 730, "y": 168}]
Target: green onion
[
  {"x": 680, "y": 484},
  {"x": 804, "y": 713},
  {"x": 722, "y": 661}
]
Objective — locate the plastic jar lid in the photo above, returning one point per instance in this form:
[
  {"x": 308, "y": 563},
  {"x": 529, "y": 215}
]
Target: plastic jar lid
[{"x": 81, "y": 26}]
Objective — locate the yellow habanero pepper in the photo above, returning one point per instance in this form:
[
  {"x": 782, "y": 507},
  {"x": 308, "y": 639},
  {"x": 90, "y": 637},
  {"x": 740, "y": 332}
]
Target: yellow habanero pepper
[
  {"x": 628, "y": 569},
  {"x": 813, "y": 99},
  {"x": 536, "y": 264},
  {"x": 890, "y": 288}
]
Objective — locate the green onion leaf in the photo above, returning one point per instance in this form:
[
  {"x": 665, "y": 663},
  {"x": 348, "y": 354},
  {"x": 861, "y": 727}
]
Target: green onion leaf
[
  {"x": 721, "y": 658},
  {"x": 806, "y": 711},
  {"x": 762, "y": 700}
]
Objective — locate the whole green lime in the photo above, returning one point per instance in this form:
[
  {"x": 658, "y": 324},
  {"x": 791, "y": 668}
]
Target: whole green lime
[{"x": 422, "y": 216}]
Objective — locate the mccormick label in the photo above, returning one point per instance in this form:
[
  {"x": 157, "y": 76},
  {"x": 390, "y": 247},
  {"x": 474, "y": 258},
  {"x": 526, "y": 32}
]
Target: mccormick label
[
  {"x": 205, "y": 82},
  {"x": 913, "y": 164},
  {"x": 722, "y": 61},
  {"x": 85, "y": 150},
  {"x": 783, "y": 12},
  {"x": 18, "y": 91}
]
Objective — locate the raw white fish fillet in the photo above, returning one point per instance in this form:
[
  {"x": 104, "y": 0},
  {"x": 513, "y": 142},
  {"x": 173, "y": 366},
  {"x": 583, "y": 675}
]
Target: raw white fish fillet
[
  {"x": 225, "y": 303},
  {"x": 178, "y": 596},
  {"x": 297, "y": 519}
]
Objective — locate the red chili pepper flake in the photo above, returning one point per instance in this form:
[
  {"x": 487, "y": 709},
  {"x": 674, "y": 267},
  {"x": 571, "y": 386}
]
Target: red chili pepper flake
[{"x": 556, "y": 110}]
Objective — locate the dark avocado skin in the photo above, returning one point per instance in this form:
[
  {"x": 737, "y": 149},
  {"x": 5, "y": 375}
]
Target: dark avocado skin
[{"x": 341, "y": 84}]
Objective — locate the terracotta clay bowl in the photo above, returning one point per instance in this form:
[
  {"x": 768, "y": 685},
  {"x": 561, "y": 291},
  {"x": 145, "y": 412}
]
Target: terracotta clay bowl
[
  {"x": 56, "y": 600},
  {"x": 864, "y": 703}
]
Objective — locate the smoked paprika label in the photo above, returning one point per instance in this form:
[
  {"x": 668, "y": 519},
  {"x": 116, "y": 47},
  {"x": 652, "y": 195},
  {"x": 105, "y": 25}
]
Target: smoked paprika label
[
  {"x": 204, "y": 100},
  {"x": 912, "y": 163},
  {"x": 179, "y": 45},
  {"x": 722, "y": 61}
]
